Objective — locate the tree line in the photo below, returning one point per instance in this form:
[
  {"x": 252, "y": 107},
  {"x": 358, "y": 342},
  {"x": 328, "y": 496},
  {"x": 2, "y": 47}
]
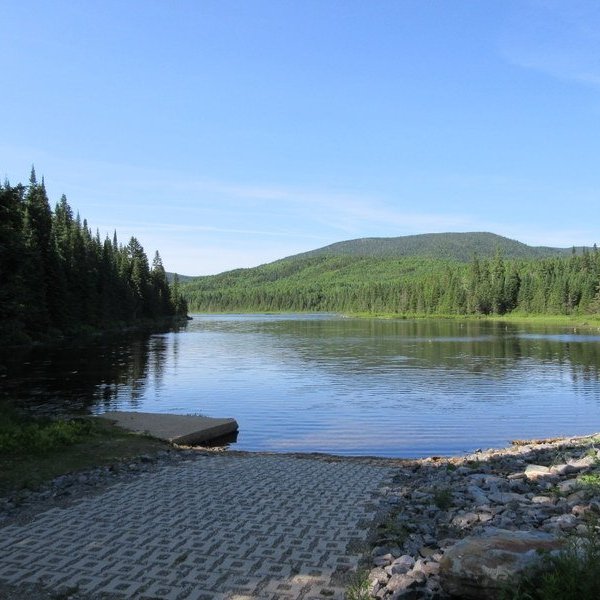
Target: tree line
[
  {"x": 57, "y": 277},
  {"x": 491, "y": 286}
]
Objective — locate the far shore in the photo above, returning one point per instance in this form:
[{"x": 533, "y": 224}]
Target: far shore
[{"x": 579, "y": 320}]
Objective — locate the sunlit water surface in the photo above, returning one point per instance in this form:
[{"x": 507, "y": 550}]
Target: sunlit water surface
[{"x": 324, "y": 383}]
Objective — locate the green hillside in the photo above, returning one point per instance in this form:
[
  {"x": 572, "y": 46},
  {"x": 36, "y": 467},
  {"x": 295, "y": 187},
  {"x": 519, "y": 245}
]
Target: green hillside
[
  {"x": 478, "y": 273},
  {"x": 457, "y": 246}
]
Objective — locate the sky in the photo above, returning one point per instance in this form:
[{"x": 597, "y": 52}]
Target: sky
[{"x": 227, "y": 134}]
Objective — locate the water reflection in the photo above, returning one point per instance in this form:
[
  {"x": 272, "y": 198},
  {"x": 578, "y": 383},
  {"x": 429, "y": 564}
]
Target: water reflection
[
  {"x": 75, "y": 378},
  {"x": 325, "y": 383}
]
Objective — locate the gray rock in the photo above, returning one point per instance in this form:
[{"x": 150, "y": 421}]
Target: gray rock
[
  {"x": 406, "y": 594},
  {"x": 568, "y": 485},
  {"x": 562, "y": 470},
  {"x": 401, "y": 582},
  {"x": 506, "y": 497},
  {"x": 583, "y": 463},
  {"x": 429, "y": 568},
  {"x": 562, "y": 522},
  {"x": 405, "y": 561},
  {"x": 536, "y": 471},
  {"x": 465, "y": 520},
  {"x": 378, "y": 576},
  {"x": 383, "y": 560},
  {"x": 427, "y": 551},
  {"x": 484, "y": 517},
  {"x": 581, "y": 510},
  {"x": 518, "y": 486},
  {"x": 543, "y": 500},
  {"x": 479, "y": 567},
  {"x": 576, "y": 497},
  {"x": 380, "y": 550},
  {"x": 477, "y": 494}
]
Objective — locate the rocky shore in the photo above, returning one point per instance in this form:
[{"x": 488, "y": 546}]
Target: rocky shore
[{"x": 464, "y": 527}]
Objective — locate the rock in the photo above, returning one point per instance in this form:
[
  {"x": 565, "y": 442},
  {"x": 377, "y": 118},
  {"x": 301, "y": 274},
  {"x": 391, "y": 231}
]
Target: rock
[
  {"x": 562, "y": 470},
  {"x": 478, "y": 495},
  {"x": 581, "y": 510},
  {"x": 464, "y": 521},
  {"x": 487, "y": 480},
  {"x": 478, "y": 567},
  {"x": 463, "y": 470},
  {"x": 430, "y": 568},
  {"x": 401, "y": 582},
  {"x": 406, "y": 594},
  {"x": 380, "y": 551},
  {"x": 378, "y": 576},
  {"x": 562, "y": 522},
  {"x": 424, "y": 569},
  {"x": 583, "y": 463},
  {"x": 568, "y": 485},
  {"x": 484, "y": 517},
  {"x": 543, "y": 500},
  {"x": 534, "y": 472},
  {"x": 576, "y": 497},
  {"x": 518, "y": 486},
  {"x": 427, "y": 551},
  {"x": 506, "y": 497},
  {"x": 383, "y": 560},
  {"x": 402, "y": 565}
]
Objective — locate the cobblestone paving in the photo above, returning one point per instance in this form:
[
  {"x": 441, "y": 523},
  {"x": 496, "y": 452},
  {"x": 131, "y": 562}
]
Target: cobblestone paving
[{"x": 215, "y": 527}]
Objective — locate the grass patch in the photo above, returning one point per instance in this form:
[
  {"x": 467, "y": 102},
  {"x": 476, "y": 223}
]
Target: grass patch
[
  {"x": 572, "y": 574},
  {"x": 442, "y": 498},
  {"x": 35, "y": 451},
  {"x": 359, "y": 588},
  {"x": 575, "y": 320},
  {"x": 590, "y": 482},
  {"x": 20, "y": 436},
  {"x": 390, "y": 531}
]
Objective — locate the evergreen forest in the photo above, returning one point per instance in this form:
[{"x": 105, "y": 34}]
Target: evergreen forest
[
  {"x": 556, "y": 283},
  {"x": 57, "y": 277}
]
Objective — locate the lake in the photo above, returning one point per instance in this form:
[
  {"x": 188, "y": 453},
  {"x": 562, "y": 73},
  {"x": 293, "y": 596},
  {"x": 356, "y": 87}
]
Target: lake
[{"x": 325, "y": 383}]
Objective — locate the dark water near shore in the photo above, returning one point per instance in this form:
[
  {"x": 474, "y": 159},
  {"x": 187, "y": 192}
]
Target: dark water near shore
[{"x": 323, "y": 383}]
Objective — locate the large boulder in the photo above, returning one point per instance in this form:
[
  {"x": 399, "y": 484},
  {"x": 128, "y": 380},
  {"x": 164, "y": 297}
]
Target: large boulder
[{"x": 479, "y": 567}]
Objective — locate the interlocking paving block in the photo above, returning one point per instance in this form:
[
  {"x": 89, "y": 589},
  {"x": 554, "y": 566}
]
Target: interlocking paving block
[{"x": 216, "y": 527}]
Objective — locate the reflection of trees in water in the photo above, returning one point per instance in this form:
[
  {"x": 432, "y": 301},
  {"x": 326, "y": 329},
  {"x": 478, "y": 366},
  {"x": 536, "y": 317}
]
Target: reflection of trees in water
[
  {"x": 120, "y": 371},
  {"x": 75, "y": 378},
  {"x": 494, "y": 348}
]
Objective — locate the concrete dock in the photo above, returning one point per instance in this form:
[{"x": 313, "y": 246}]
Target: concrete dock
[{"x": 179, "y": 429}]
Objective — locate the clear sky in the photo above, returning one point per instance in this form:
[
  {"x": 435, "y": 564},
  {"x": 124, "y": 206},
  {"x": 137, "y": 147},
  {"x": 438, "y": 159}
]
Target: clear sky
[{"x": 232, "y": 133}]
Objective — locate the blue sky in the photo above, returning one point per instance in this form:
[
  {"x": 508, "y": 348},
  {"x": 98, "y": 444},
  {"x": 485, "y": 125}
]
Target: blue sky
[{"x": 231, "y": 133}]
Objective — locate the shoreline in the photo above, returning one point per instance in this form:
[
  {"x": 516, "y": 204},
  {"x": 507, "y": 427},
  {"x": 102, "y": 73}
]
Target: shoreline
[
  {"x": 172, "y": 453},
  {"x": 466, "y": 526},
  {"x": 591, "y": 321},
  {"x": 86, "y": 334},
  {"x": 540, "y": 487}
]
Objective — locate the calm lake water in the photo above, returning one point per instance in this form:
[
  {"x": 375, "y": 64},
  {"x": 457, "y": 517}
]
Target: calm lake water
[{"x": 324, "y": 383}]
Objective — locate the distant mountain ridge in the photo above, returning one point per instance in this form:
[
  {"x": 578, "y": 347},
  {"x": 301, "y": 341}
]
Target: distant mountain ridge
[
  {"x": 457, "y": 246},
  {"x": 436, "y": 273}
]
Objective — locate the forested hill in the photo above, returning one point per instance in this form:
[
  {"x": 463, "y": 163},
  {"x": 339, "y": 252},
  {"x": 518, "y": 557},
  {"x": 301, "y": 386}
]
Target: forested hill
[
  {"x": 458, "y": 246},
  {"x": 512, "y": 277},
  {"x": 57, "y": 277}
]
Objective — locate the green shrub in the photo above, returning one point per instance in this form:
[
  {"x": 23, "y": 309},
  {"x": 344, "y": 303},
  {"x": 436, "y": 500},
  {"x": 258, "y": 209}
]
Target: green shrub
[
  {"x": 359, "y": 588},
  {"x": 442, "y": 498},
  {"x": 572, "y": 574},
  {"x": 590, "y": 482},
  {"x": 22, "y": 435}
]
